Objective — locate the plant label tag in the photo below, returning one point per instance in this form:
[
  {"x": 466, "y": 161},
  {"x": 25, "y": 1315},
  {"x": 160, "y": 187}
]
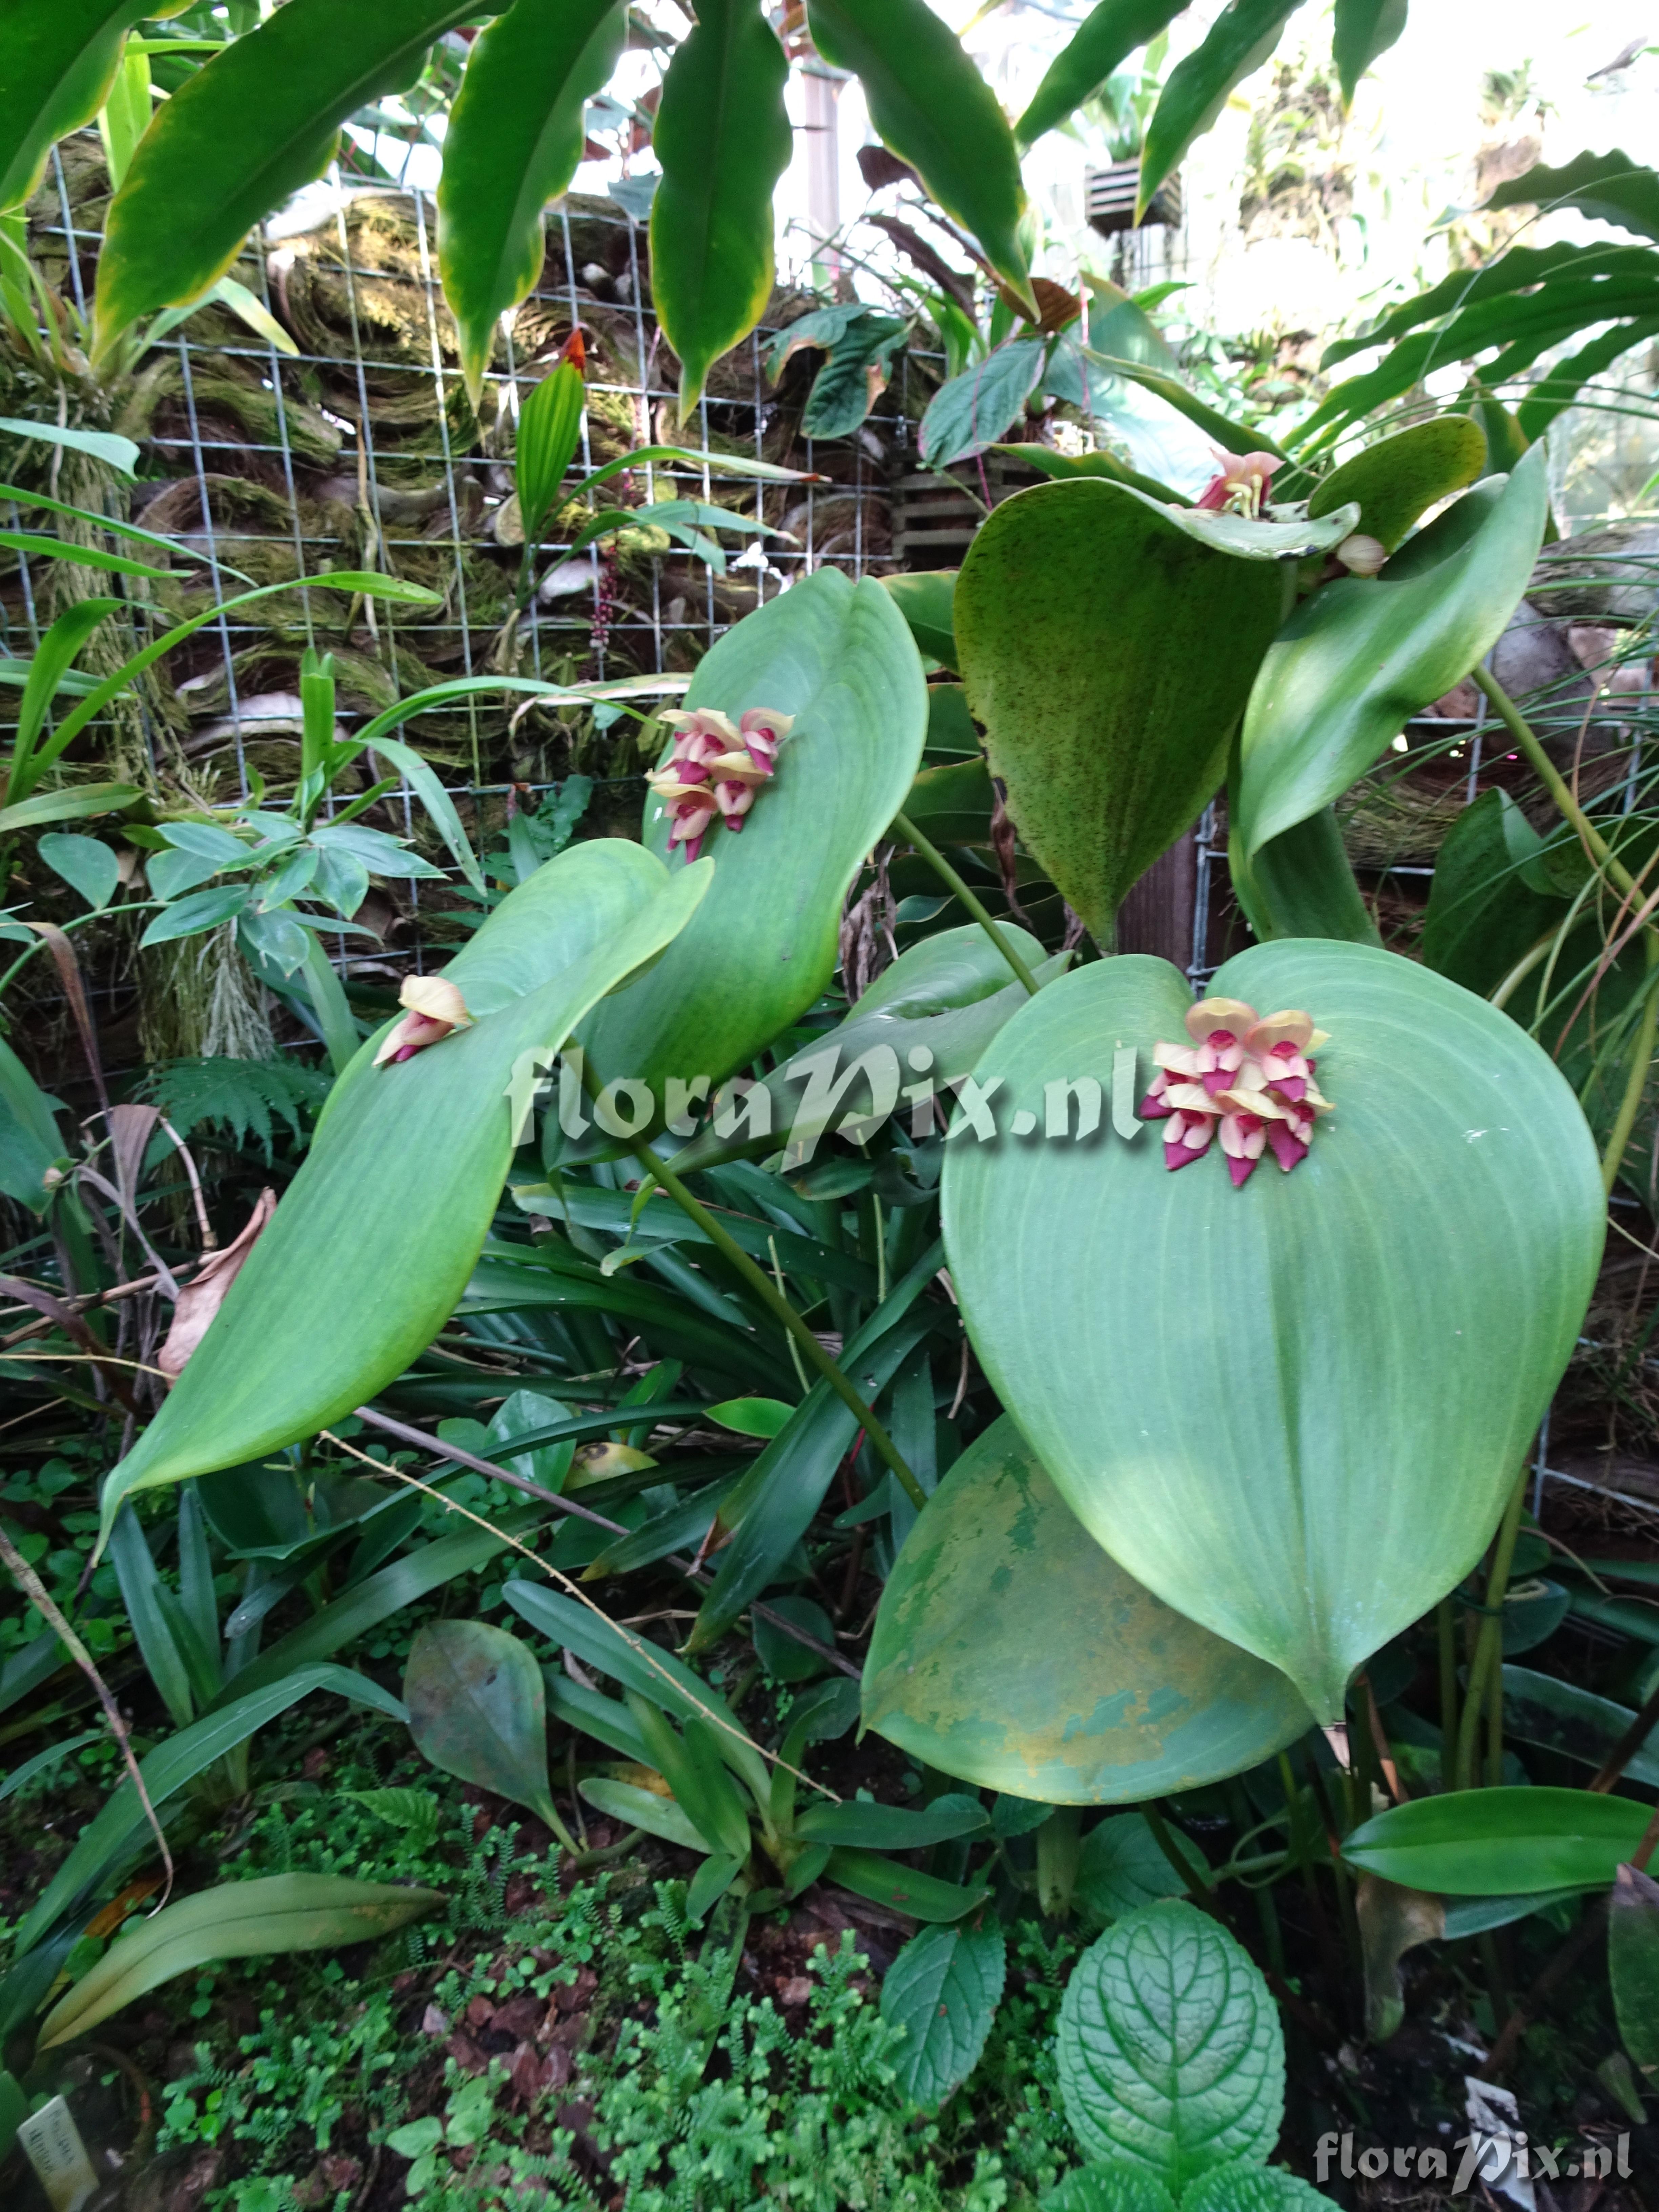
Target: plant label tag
[{"x": 55, "y": 2150}]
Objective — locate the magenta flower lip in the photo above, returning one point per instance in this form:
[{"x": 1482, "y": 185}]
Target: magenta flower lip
[{"x": 1245, "y": 1077}]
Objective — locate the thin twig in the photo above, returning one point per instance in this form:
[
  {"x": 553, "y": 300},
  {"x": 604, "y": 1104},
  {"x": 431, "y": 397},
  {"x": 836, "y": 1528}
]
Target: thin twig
[
  {"x": 948, "y": 875},
  {"x": 41, "y": 1599}
]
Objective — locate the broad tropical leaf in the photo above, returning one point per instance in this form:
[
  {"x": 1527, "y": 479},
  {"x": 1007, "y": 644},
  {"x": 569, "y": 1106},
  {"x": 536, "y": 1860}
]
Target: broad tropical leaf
[
  {"x": 1480, "y": 1843},
  {"x": 57, "y": 65},
  {"x": 1240, "y": 40},
  {"x": 237, "y": 1920},
  {"x": 838, "y": 658},
  {"x": 970, "y": 414},
  {"x": 1606, "y": 187},
  {"x": 1077, "y": 1687},
  {"x": 1363, "y": 29},
  {"x": 1172, "y": 2056},
  {"x": 1121, "y": 1867},
  {"x": 1301, "y": 883},
  {"x": 235, "y": 140},
  {"x": 933, "y": 109},
  {"x": 1107, "y": 36},
  {"x": 405, "y": 1173},
  {"x": 1356, "y": 661},
  {"x": 1272, "y": 1404},
  {"x": 1111, "y": 734},
  {"x": 724, "y": 140},
  {"x": 515, "y": 136},
  {"x": 1485, "y": 911}
]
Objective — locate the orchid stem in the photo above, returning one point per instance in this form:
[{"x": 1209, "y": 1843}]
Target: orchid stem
[
  {"x": 946, "y": 874},
  {"x": 1488, "y": 1649}
]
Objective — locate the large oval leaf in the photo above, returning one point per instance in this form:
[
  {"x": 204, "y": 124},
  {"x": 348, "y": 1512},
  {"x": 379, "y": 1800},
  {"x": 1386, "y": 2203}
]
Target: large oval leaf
[
  {"x": 1011, "y": 1651},
  {"x": 840, "y": 659},
  {"x": 1357, "y": 660},
  {"x": 515, "y": 136},
  {"x": 724, "y": 140},
  {"x": 1476, "y": 1843},
  {"x": 237, "y": 1920},
  {"x": 477, "y": 1708},
  {"x": 1277, "y": 1406},
  {"x": 1108, "y": 644},
  {"x": 932, "y": 107},
  {"x": 372, "y": 1243},
  {"x": 1172, "y": 2056},
  {"x": 232, "y": 141}
]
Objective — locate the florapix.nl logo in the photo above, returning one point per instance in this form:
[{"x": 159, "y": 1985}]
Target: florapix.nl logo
[{"x": 1499, "y": 2161}]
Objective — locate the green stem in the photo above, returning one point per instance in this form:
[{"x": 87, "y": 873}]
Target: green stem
[
  {"x": 1489, "y": 1644},
  {"x": 1446, "y": 1624},
  {"x": 946, "y": 874},
  {"x": 780, "y": 1307}
]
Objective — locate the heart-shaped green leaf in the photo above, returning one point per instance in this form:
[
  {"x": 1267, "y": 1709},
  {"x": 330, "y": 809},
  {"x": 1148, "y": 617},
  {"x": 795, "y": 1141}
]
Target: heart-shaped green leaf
[
  {"x": 839, "y": 658},
  {"x": 477, "y": 1708},
  {"x": 1357, "y": 660},
  {"x": 1276, "y": 1406},
  {"x": 1480, "y": 1843},
  {"x": 1172, "y": 2056},
  {"x": 372, "y": 1246},
  {"x": 1076, "y": 1686},
  {"x": 514, "y": 138},
  {"x": 1108, "y": 644},
  {"x": 1399, "y": 478}
]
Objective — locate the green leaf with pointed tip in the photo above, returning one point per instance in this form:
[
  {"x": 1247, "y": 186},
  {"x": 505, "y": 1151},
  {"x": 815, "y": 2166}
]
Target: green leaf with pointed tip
[
  {"x": 932, "y": 107},
  {"x": 477, "y": 1710},
  {"x": 56, "y": 71},
  {"x": 515, "y": 136},
  {"x": 1047, "y": 462},
  {"x": 1363, "y": 30},
  {"x": 550, "y": 431},
  {"x": 894, "y": 1827},
  {"x": 1356, "y": 661},
  {"x": 1111, "y": 735},
  {"x": 924, "y": 600},
  {"x": 1399, "y": 478},
  {"x": 402, "y": 1177},
  {"x": 1633, "y": 1964},
  {"x": 642, "y": 1808},
  {"x": 692, "y": 1767},
  {"x": 86, "y": 798},
  {"x": 87, "y": 864},
  {"x": 883, "y": 1881},
  {"x": 237, "y": 138},
  {"x": 1106, "y": 38},
  {"x": 943, "y": 1989},
  {"x": 1214, "y": 1377},
  {"x": 236, "y": 1920},
  {"x": 1481, "y": 1843},
  {"x": 1606, "y": 187},
  {"x": 1172, "y": 2056},
  {"x": 1121, "y": 1867},
  {"x": 724, "y": 140},
  {"x": 1195, "y": 92},
  {"x": 1560, "y": 1715},
  {"x": 1076, "y": 1685},
  {"x": 838, "y": 657},
  {"x": 970, "y": 412}
]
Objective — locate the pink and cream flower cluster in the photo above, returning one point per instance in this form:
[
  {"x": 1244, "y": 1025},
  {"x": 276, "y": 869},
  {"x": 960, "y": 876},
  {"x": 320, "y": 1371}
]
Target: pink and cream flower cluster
[
  {"x": 1245, "y": 1074},
  {"x": 715, "y": 768}
]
